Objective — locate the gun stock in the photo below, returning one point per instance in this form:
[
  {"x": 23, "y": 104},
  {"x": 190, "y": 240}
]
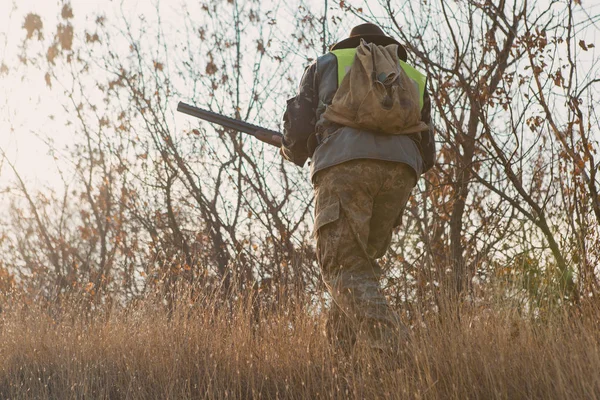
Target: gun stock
[{"x": 264, "y": 135}]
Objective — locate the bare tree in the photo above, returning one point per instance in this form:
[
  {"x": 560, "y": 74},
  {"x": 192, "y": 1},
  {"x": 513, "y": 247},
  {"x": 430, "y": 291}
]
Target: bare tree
[{"x": 502, "y": 76}]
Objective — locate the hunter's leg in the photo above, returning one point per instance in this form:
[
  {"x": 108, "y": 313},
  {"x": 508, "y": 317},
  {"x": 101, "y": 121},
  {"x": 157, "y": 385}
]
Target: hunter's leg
[
  {"x": 388, "y": 207},
  {"x": 344, "y": 201}
]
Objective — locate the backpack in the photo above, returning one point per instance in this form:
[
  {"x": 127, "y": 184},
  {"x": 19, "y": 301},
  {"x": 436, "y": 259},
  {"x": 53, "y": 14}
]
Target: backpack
[{"x": 377, "y": 94}]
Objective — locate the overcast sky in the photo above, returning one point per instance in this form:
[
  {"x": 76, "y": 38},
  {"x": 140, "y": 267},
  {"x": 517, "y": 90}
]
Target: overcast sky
[{"x": 25, "y": 103}]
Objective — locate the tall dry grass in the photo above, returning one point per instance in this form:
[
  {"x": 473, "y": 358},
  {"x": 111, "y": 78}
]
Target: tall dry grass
[{"x": 204, "y": 351}]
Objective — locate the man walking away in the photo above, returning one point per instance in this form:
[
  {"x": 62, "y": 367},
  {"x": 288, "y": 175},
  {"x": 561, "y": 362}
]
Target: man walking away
[{"x": 362, "y": 174}]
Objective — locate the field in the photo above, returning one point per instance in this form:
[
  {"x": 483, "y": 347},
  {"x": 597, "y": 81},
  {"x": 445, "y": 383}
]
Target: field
[{"x": 204, "y": 351}]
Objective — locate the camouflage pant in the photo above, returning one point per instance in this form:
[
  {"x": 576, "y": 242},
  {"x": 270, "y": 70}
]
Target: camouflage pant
[{"x": 358, "y": 205}]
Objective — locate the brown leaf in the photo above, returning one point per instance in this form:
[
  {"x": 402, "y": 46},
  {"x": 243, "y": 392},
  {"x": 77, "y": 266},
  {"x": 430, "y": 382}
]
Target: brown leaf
[
  {"x": 52, "y": 53},
  {"x": 582, "y": 45},
  {"x": 558, "y": 79},
  {"x": 47, "y": 79},
  {"x": 89, "y": 38},
  {"x": 33, "y": 24},
  {"x": 67, "y": 11},
  {"x": 64, "y": 33},
  {"x": 211, "y": 68}
]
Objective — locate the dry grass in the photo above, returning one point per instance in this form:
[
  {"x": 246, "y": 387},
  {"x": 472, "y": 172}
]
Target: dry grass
[{"x": 206, "y": 352}]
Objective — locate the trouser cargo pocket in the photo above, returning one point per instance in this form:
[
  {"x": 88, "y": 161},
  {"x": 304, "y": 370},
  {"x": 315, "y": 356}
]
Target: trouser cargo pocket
[
  {"x": 328, "y": 214},
  {"x": 327, "y": 232}
]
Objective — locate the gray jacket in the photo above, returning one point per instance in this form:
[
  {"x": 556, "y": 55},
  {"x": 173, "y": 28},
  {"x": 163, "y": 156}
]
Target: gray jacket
[{"x": 306, "y": 134}]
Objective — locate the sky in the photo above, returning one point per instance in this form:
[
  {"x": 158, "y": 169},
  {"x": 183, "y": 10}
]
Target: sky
[{"x": 25, "y": 102}]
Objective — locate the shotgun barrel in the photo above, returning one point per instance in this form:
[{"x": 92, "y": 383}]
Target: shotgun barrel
[{"x": 263, "y": 134}]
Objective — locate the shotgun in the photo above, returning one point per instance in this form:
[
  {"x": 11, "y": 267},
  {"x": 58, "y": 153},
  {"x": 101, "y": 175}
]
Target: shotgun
[{"x": 264, "y": 135}]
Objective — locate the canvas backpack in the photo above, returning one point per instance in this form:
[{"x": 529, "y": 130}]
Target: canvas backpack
[{"x": 377, "y": 94}]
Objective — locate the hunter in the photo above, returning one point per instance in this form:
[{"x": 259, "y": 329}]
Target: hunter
[{"x": 362, "y": 180}]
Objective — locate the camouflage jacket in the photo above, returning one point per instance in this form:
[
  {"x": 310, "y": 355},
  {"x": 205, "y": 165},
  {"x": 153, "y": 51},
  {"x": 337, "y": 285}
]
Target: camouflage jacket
[{"x": 307, "y": 134}]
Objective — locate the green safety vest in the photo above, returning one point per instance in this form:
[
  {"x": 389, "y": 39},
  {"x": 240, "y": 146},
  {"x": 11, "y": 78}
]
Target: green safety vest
[{"x": 345, "y": 58}]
